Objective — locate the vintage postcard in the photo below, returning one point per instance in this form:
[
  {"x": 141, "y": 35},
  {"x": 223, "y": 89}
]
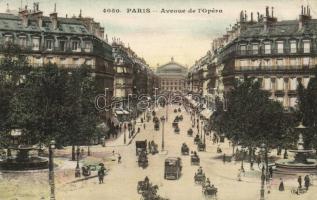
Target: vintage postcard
[{"x": 158, "y": 99}]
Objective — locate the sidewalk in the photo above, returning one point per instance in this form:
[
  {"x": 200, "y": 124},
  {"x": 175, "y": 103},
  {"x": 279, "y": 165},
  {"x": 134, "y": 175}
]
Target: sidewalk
[{"x": 119, "y": 141}]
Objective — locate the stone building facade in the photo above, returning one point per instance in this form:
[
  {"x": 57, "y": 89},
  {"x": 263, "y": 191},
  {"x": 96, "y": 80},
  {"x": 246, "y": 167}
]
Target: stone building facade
[
  {"x": 67, "y": 42},
  {"x": 279, "y": 54}
]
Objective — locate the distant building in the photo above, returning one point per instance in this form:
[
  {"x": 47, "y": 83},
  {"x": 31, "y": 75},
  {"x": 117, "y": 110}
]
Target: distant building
[{"x": 172, "y": 76}]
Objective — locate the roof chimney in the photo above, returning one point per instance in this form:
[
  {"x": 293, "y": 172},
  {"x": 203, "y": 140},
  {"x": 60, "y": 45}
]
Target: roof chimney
[
  {"x": 37, "y": 14},
  {"x": 79, "y": 14},
  {"x": 272, "y": 11},
  {"x": 251, "y": 16},
  {"x": 304, "y": 17},
  {"x": 267, "y": 11},
  {"x": 53, "y": 17},
  {"x": 172, "y": 59},
  {"x": 24, "y": 14},
  {"x": 258, "y": 16}
]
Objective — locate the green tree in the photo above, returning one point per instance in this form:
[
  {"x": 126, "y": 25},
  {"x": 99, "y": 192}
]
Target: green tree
[
  {"x": 307, "y": 110},
  {"x": 251, "y": 117}
]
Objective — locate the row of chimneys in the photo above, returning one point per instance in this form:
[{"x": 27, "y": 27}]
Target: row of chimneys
[
  {"x": 269, "y": 19},
  {"x": 25, "y": 14},
  {"x": 38, "y": 15}
]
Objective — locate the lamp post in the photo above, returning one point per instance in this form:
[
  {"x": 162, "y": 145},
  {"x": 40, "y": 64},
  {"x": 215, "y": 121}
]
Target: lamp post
[
  {"x": 204, "y": 135},
  {"x": 201, "y": 130},
  {"x": 51, "y": 169},
  {"x": 156, "y": 96},
  {"x": 124, "y": 136},
  {"x": 163, "y": 121},
  {"x": 77, "y": 170},
  {"x": 263, "y": 147},
  {"x": 243, "y": 156}
]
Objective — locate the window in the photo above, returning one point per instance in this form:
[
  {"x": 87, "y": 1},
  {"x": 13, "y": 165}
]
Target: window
[
  {"x": 87, "y": 45},
  {"x": 267, "y": 48},
  {"x": 8, "y": 39},
  {"x": 267, "y": 64},
  {"x": 280, "y": 47},
  {"x": 292, "y": 101},
  {"x": 75, "y": 45},
  {"x": 49, "y": 44},
  {"x": 243, "y": 49},
  {"x": 62, "y": 45},
  {"x": 255, "y": 49},
  {"x": 293, "y": 46},
  {"x": 280, "y": 63},
  {"x": 306, "y": 61},
  {"x": 267, "y": 84},
  {"x": 293, "y": 62},
  {"x": 305, "y": 82},
  {"x": 306, "y": 46},
  {"x": 243, "y": 64},
  {"x": 22, "y": 41},
  {"x": 35, "y": 43},
  {"x": 279, "y": 84},
  {"x": 293, "y": 83}
]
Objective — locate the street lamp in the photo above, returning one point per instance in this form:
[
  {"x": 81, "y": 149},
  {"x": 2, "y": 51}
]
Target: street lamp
[
  {"x": 243, "y": 157},
  {"x": 51, "y": 169},
  {"x": 201, "y": 130},
  {"x": 156, "y": 97},
  {"x": 77, "y": 170},
  {"x": 124, "y": 136},
  {"x": 263, "y": 147},
  {"x": 163, "y": 121}
]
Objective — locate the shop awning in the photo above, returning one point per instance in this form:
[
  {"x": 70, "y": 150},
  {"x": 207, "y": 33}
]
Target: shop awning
[
  {"x": 119, "y": 112},
  {"x": 206, "y": 113}
]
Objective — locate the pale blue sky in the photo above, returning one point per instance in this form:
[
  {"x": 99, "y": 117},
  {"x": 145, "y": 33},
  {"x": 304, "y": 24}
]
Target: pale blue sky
[{"x": 156, "y": 36}]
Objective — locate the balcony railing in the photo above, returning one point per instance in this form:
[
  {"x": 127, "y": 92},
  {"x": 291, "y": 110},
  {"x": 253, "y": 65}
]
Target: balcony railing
[
  {"x": 275, "y": 69},
  {"x": 31, "y": 49},
  {"x": 265, "y": 52}
]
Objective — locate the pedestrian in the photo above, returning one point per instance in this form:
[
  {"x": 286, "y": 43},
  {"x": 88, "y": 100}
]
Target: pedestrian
[
  {"x": 271, "y": 172},
  {"x": 299, "y": 180},
  {"x": 101, "y": 174},
  {"x": 113, "y": 152},
  {"x": 239, "y": 175},
  {"x": 281, "y": 186},
  {"x": 119, "y": 159},
  {"x": 224, "y": 158},
  {"x": 307, "y": 181},
  {"x": 144, "y": 126},
  {"x": 251, "y": 164}
]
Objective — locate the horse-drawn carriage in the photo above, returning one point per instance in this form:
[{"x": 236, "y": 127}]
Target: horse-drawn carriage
[
  {"x": 196, "y": 139},
  {"x": 190, "y": 132},
  {"x": 199, "y": 178},
  {"x": 185, "y": 149},
  {"x": 156, "y": 126},
  {"x": 175, "y": 110},
  {"x": 140, "y": 146},
  {"x": 143, "y": 160},
  {"x": 209, "y": 191},
  {"x": 201, "y": 146},
  {"x": 176, "y": 129},
  {"x": 179, "y": 110},
  {"x": 180, "y": 117},
  {"x": 194, "y": 159}
]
